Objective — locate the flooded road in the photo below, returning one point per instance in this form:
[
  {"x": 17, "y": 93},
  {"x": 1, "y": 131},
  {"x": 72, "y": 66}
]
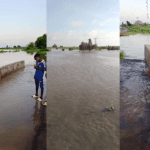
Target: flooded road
[
  {"x": 80, "y": 85},
  {"x": 133, "y": 45},
  {"x": 22, "y": 118}
]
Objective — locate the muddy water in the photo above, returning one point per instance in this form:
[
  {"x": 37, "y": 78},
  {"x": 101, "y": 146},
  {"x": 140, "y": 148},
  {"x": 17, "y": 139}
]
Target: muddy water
[
  {"x": 22, "y": 118},
  {"x": 11, "y": 57},
  {"x": 133, "y": 45},
  {"x": 134, "y": 105},
  {"x": 79, "y": 86}
]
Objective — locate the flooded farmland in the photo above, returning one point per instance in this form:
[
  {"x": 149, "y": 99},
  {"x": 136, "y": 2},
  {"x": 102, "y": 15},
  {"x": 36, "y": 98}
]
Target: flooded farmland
[{"x": 80, "y": 85}]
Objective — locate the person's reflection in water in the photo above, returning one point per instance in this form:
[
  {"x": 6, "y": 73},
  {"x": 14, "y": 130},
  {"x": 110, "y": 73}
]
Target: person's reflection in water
[{"x": 39, "y": 118}]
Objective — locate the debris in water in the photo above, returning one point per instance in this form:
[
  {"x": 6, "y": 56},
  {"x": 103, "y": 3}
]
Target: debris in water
[{"x": 111, "y": 107}]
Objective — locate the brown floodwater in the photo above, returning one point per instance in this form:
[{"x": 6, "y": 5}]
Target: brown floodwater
[
  {"x": 22, "y": 118},
  {"x": 80, "y": 85}
]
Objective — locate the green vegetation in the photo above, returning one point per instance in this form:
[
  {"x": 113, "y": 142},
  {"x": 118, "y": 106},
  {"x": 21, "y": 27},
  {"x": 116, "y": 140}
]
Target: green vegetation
[
  {"x": 61, "y": 47},
  {"x": 16, "y": 50},
  {"x": 41, "y": 42},
  {"x": 134, "y": 29},
  {"x": 87, "y": 46},
  {"x": 122, "y": 56},
  {"x": 2, "y": 51},
  {"x": 111, "y": 106},
  {"x": 109, "y": 47},
  {"x": 38, "y": 47}
]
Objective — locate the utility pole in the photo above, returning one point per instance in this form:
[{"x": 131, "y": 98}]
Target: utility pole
[
  {"x": 137, "y": 20},
  {"x": 147, "y": 12}
]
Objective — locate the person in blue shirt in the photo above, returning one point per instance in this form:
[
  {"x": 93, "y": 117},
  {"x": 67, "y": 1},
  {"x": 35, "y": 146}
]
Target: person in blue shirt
[{"x": 38, "y": 77}]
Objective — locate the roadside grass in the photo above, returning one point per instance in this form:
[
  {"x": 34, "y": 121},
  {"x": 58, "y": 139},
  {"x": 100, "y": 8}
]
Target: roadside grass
[{"x": 141, "y": 29}]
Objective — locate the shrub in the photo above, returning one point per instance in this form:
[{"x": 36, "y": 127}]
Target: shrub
[
  {"x": 30, "y": 46},
  {"x": 122, "y": 56}
]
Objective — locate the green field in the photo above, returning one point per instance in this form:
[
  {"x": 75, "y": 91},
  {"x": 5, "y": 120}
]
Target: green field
[{"x": 141, "y": 29}]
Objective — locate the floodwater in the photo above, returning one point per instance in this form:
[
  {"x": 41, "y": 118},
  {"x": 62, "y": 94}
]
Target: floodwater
[
  {"x": 133, "y": 45},
  {"x": 11, "y": 57},
  {"x": 134, "y": 105},
  {"x": 134, "y": 94},
  {"x": 80, "y": 85},
  {"x": 22, "y": 118}
]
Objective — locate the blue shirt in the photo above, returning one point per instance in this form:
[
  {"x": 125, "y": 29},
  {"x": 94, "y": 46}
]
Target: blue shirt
[{"x": 39, "y": 73}]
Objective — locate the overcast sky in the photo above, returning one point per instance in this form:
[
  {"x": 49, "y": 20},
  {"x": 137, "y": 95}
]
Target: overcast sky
[
  {"x": 130, "y": 9},
  {"x": 22, "y": 21},
  {"x": 71, "y": 22}
]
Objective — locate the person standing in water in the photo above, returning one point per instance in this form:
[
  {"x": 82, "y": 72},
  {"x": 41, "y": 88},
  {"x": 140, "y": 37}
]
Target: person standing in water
[{"x": 38, "y": 77}]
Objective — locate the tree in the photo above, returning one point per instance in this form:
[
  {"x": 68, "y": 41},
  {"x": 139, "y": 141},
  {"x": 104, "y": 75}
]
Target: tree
[
  {"x": 54, "y": 45},
  {"x": 41, "y": 42},
  {"x": 128, "y": 23}
]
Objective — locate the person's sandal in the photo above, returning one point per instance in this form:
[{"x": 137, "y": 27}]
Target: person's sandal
[
  {"x": 34, "y": 96},
  {"x": 39, "y": 99},
  {"x": 44, "y": 103}
]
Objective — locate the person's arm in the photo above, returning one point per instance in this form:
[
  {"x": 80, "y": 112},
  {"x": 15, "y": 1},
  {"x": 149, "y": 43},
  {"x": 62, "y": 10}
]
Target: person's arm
[
  {"x": 40, "y": 68},
  {"x": 43, "y": 67}
]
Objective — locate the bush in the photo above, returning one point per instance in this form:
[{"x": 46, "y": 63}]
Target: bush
[
  {"x": 30, "y": 46},
  {"x": 70, "y": 48},
  {"x": 122, "y": 56}
]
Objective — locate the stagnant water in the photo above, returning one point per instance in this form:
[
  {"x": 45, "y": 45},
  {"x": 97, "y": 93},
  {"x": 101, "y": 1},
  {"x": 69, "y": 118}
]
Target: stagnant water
[
  {"x": 11, "y": 57},
  {"x": 133, "y": 45},
  {"x": 22, "y": 118},
  {"x": 80, "y": 85},
  {"x": 134, "y": 96}
]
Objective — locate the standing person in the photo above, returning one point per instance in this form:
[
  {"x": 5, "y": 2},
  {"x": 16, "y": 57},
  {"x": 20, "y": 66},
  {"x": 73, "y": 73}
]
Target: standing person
[{"x": 40, "y": 68}]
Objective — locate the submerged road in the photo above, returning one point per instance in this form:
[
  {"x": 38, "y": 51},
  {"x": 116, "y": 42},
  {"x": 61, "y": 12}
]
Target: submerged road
[{"x": 22, "y": 118}]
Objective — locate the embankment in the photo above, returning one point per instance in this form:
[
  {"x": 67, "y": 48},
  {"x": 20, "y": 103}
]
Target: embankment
[
  {"x": 8, "y": 69},
  {"x": 147, "y": 54}
]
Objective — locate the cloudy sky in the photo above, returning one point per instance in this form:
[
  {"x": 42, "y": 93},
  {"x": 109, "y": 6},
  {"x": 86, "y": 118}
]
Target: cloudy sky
[
  {"x": 130, "y": 9},
  {"x": 22, "y": 21},
  {"x": 71, "y": 22}
]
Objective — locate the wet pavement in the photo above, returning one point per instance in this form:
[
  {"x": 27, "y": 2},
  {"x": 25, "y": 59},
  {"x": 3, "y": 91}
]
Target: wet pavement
[
  {"x": 80, "y": 86},
  {"x": 22, "y": 118},
  {"x": 134, "y": 105}
]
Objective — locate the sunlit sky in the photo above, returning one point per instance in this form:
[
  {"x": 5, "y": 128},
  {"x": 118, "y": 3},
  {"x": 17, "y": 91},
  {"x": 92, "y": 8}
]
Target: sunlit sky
[
  {"x": 71, "y": 22},
  {"x": 22, "y": 21},
  {"x": 131, "y": 9}
]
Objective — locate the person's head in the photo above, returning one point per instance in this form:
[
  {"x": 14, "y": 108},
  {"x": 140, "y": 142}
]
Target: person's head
[{"x": 37, "y": 57}]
